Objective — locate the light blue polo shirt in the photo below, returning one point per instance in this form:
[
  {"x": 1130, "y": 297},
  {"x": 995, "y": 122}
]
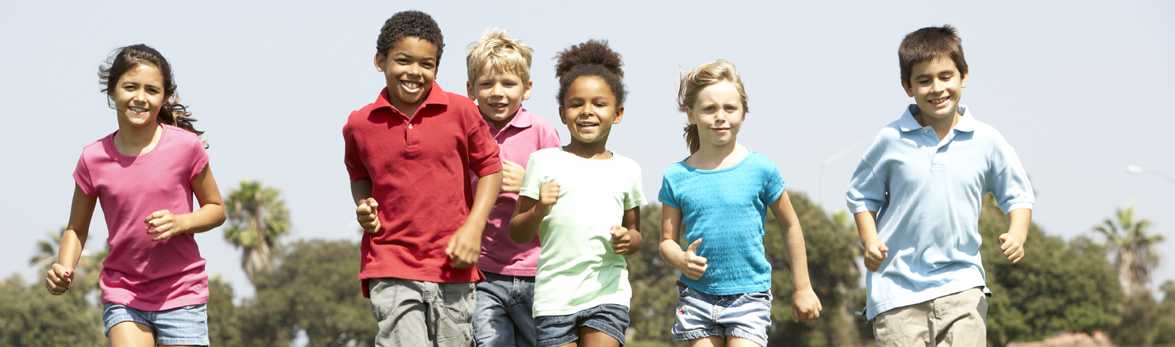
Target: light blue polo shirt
[{"x": 928, "y": 194}]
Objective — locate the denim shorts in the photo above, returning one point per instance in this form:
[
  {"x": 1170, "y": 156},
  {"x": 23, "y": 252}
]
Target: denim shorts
[
  {"x": 186, "y": 325},
  {"x": 699, "y": 315},
  {"x": 610, "y": 319},
  {"x": 502, "y": 316}
]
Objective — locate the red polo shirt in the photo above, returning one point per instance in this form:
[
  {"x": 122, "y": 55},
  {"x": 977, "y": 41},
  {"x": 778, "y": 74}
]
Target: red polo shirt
[{"x": 420, "y": 173}]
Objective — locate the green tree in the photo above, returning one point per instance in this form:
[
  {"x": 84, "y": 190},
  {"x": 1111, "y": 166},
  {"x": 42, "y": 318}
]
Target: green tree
[
  {"x": 224, "y": 324},
  {"x": 1133, "y": 247},
  {"x": 1059, "y": 286},
  {"x": 314, "y": 288},
  {"x": 29, "y": 316},
  {"x": 46, "y": 251},
  {"x": 257, "y": 216}
]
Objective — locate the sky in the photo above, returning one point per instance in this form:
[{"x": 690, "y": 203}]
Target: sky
[{"x": 1076, "y": 87}]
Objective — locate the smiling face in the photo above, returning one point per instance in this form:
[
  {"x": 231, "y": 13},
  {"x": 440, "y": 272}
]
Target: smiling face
[
  {"x": 138, "y": 95},
  {"x": 718, "y": 112},
  {"x": 590, "y": 109},
  {"x": 409, "y": 67},
  {"x": 499, "y": 95},
  {"x": 936, "y": 86}
]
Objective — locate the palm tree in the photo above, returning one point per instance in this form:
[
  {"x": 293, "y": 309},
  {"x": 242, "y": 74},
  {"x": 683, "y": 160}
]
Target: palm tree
[
  {"x": 257, "y": 216},
  {"x": 46, "y": 252},
  {"x": 1133, "y": 247}
]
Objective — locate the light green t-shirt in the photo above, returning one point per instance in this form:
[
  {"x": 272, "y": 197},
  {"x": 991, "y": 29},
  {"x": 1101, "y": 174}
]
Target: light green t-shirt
[{"x": 577, "y": 267}]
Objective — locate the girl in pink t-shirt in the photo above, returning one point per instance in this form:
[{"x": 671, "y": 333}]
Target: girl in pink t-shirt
[{"x": 154, "y": 288}]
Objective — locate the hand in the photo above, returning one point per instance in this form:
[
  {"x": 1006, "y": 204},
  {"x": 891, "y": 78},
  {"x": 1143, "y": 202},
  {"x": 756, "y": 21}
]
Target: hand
[
  {"x": 1012, "y": 246},
  {"x": 548, "y": 194},
  {"x": 58, "y": 279},
  {"x": 368, "y": 215},
  {"x": 695, "y": 265},
  {"x": 875, "y": 253},
  {"x": 623, "y": 241},
  {"x": 512, "y": 176},
  {"x": 805, "y": 305},
  {"x": 464, "y": 247},
  {"x": 162, "y": 224}
]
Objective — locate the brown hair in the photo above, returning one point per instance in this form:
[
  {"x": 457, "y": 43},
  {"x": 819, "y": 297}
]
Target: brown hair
[{"x": 929, "y": 43}]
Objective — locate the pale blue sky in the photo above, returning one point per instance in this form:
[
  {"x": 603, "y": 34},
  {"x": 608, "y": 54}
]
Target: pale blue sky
[{"x": 1077, "y": 88}]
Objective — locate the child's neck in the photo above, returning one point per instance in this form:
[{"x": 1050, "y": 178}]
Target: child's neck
[
  {"x": 588, "y": 150},
  {"x": 717, "y": 157},
  {"x": 942, "y": 127},
  {"x": 133, "y": 141}
]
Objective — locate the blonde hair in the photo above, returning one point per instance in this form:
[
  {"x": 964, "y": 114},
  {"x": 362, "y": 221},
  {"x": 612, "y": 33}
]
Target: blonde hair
[
  {"x": 699, "y": 78},
  {"x": 500, "y": 53}
]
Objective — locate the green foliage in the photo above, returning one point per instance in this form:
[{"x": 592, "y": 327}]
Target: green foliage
[
  {"x": 30, "y": 316},
  {"x": 1058, "y": 286},
  {"x": 257, "y": 216},
  {"x": 315, "y": 289}
]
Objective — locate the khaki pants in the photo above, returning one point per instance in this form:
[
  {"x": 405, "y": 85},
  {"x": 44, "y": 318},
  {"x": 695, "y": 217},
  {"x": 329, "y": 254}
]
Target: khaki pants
[
  {"x": 416, "y": 313},
  {"x": 953, "y": 320}
]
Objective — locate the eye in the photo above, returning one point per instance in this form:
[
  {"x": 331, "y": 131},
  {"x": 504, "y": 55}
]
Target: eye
[
  {"x": 731, "y": 108},
  {"x": 152, "y": 90},
  {"x": 428, "y": 65},
  {"x": 402, "y": 61}
]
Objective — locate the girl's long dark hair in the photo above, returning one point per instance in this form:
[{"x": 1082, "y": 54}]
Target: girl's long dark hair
[{"x": 172, "y": 112}]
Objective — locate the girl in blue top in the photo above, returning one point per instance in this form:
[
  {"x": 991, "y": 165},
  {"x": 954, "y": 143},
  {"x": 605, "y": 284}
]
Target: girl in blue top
[{"x": 721, "y": 193}]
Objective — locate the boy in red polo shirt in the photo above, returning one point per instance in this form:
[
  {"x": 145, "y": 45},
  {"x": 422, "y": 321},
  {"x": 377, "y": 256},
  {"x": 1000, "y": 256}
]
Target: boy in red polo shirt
[{"x": 410, "y": 154}]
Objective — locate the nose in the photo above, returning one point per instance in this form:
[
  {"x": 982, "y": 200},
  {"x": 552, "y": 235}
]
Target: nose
[
  {"x": 937, "y": 86},
  {"x": 497, "y": 90}
]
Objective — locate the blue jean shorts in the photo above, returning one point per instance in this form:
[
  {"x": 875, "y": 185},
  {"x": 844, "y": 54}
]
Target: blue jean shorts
[
  {"x": 186, "y": 325},
  {"x": 699, "y": 315},
  {"x": 610, "y": 319}
]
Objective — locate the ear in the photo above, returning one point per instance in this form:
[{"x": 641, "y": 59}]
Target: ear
[
  {"x": 619, "y": 115},
  {"x": 964, "y": 82},
  {"x": 529, "y": 87},
  {"x": 469, "y": 89},
  {"x": 379, "y": 61},
  {"x": 906, "y": 87}
]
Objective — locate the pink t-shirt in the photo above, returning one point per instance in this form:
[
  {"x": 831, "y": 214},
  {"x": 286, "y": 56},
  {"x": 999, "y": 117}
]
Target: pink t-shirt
[
  {"x": 139, "y": 272},
  {"x": 520, "y": 137}
]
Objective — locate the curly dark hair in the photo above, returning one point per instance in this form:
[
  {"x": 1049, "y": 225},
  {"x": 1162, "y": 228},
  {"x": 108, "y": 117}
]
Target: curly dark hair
[
  {"x": 123, "y": 59},
  {"x": 590, "y": 58},
  {"x": 409, "y": 23}
]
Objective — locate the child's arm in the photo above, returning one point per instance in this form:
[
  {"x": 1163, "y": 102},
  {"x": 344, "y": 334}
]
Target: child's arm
[
  {"x": 805, "y": 304},
  {"x": 529, "y": 214},
  {"x": 366, "y": 208},
  {"x": 688, "y": 261},
  {"x": 60, "y": 275},
  {"x": 163, "y": 224},
  {"x": 875, "y": 250},
  {"x": 1012, "y": 242},
  {"x": 465, "y": 246},
  {"x": 626, "y": 239}
]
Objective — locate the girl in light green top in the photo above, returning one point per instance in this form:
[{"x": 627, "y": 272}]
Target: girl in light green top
[{"x": 583, "y": 202}]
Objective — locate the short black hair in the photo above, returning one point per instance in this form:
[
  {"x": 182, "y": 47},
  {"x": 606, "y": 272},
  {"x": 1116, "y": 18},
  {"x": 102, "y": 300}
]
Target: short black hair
[
  {"x": 590, "y": 58},
  {"x": 928, "y": 43},
  {"x": 409, "y": 23}
]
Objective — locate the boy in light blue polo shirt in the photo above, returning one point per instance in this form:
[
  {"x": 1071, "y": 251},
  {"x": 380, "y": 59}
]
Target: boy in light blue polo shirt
[{"x": 916, "y": 197}]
